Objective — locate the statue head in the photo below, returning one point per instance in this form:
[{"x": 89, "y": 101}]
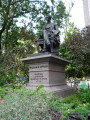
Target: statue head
[{"x": 48, "y": 18}]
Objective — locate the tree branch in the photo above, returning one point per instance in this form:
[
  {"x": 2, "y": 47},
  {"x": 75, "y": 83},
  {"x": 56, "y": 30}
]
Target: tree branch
[{"x": 6, "y": 17}]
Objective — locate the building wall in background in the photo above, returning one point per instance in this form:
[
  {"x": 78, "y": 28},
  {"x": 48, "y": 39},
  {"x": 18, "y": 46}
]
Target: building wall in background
[{"x": 86, "y": 8}]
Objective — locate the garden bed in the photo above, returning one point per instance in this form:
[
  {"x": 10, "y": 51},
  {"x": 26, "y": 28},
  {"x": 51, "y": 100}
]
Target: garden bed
[{"x": 19, "y": 103}]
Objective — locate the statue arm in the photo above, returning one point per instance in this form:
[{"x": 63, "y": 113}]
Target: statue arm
[{"x": 56, "y": 30}]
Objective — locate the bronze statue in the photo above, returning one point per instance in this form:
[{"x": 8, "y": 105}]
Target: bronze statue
[{"x": 49, "y": 40}]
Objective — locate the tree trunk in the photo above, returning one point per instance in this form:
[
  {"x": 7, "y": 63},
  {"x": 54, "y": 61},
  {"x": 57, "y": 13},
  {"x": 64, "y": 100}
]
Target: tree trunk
[
  {"x": 4, "y": 23},
  {"x": 0, "y": 46}
]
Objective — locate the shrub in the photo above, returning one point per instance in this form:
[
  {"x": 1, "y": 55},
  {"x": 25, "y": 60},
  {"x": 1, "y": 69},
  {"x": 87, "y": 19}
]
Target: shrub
[
  {"x": 4, "y": 91},
  {"x": 72, "y": 99},
  {"x": 25, "y": 105},
  {"x": 76, "y": 103},
  {"x": 84, "y": 95},
  {"x": 7, "y": 78}
]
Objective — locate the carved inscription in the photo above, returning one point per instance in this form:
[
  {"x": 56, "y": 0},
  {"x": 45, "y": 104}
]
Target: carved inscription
[
  {"x": 38, "y": 67},
  {"x": 38, "y": 76},
  {"x": 38, "y": 73}
]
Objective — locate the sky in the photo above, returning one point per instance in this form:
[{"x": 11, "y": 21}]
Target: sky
[{"x": 77, "y": 14}]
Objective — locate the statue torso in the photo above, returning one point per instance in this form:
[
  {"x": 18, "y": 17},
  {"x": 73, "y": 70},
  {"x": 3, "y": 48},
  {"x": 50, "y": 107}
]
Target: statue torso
[{"x": 49, "y": 27}]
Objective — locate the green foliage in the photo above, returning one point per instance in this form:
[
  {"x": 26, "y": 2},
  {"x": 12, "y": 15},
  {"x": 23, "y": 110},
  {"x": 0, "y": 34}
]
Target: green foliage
[
  {"x": 36, "y": 104},
  {"x": 7, "y": 78},
  {"x": 9, "y": 68},
  {"x": 10, "y": 59},
  {"x": 76, "y": 103},
  {"x": 15, "y": 40},
  {"x": 81, "y": 109},
  {"x": 72, "y": 99},
  {"x": 22, "y": 105},
  {"x": 84, "y": 95},
  {"x": 8, "y": 89},
  {"x": 76, "y": 48},
  {"x": 3, "y": 91},
  {"x": 81, "y": 96},
  {"x": 35, "y": 11}
]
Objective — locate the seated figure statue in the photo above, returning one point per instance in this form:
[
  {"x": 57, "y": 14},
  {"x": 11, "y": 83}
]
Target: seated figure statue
[{"x": 49, "y": 38}]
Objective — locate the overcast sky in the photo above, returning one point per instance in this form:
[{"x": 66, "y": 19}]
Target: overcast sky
[{"x": 76, "y": 12}]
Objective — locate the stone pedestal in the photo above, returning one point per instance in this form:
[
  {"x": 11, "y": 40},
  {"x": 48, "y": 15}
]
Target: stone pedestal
[{"x": 48, "y": 70}]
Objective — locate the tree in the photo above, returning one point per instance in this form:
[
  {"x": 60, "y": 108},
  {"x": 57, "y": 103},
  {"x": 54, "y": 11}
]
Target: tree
[
  {"x": 10, "y": 63},
  {"x": 19, "y": 41},
  {"x": 12, "y": 9},
  {"x": 77, "y": 50}
]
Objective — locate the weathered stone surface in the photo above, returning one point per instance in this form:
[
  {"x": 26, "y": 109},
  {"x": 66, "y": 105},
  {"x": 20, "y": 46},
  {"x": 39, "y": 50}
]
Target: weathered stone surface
[
  {"x": 48, "y": 70},
  {"x": 45, "y": 57}
]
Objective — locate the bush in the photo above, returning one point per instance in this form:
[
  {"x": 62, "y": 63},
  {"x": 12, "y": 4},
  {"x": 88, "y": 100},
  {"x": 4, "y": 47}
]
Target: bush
[
  {"x": 84, "y": 95},
  {"x": 72, "y": 99},
  {"x": 76, "y": 103},
  {"x": 25, "y": 105},
  {"x": 6, "y": 90},
  {"x": 11, "y": 78},
  {"x": 17, "y": 104},
  {"x": 7, "y": 78},
  {"x": 3, "y": 92}
]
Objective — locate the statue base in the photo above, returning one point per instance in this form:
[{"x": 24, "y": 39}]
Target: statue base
[{"x": 49, "y": 70}]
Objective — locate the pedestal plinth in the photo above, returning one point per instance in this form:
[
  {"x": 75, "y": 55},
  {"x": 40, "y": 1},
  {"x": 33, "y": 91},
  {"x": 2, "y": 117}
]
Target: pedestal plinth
[{"x": 48, "y": 70}]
